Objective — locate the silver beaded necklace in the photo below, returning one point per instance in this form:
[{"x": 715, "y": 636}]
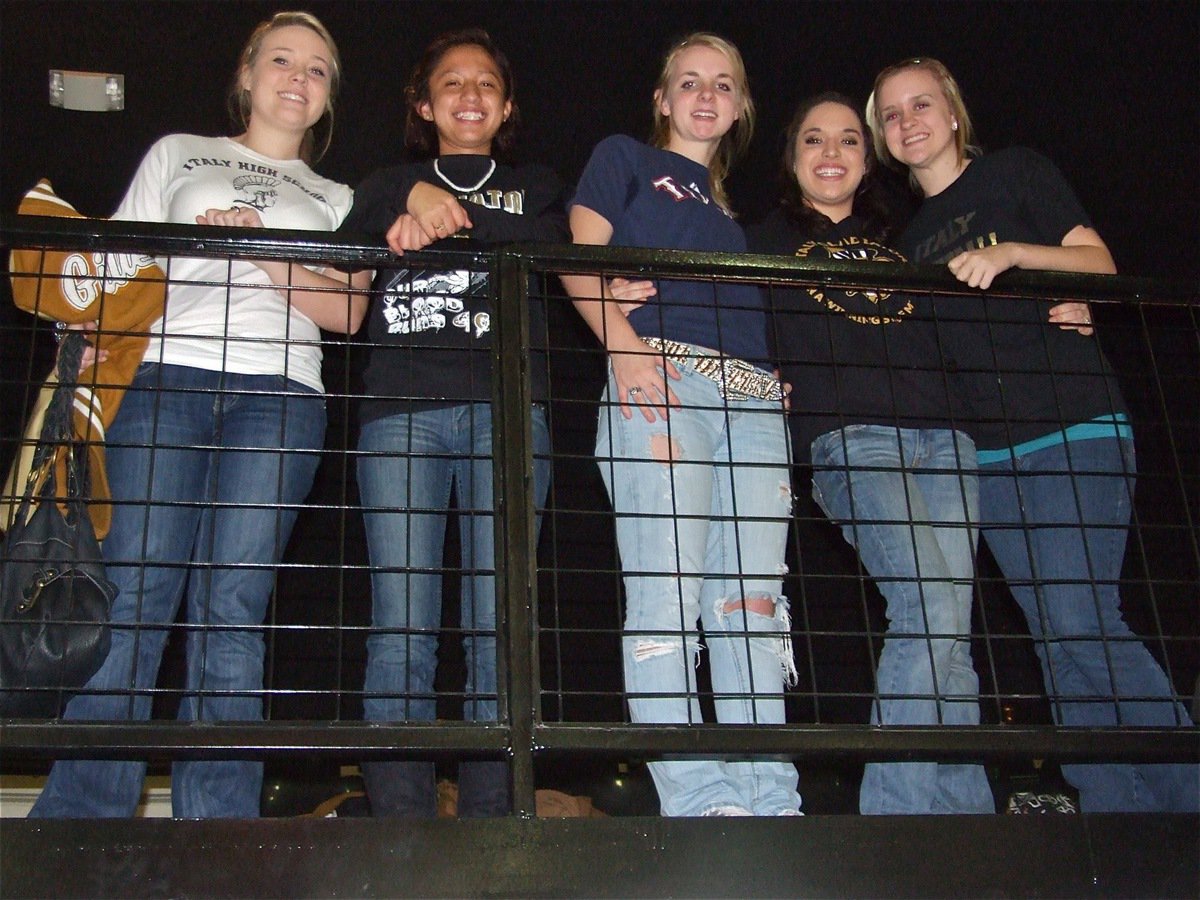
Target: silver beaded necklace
[{"x": 461, "y": 188}]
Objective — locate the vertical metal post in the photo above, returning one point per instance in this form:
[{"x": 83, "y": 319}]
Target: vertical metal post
[{"x": 516, "y": 549}]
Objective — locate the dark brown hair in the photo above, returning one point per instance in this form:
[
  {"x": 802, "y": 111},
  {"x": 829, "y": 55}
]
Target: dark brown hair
[
  {"x": 420, "y": 135},
  {"x": 869, "y": 203}
]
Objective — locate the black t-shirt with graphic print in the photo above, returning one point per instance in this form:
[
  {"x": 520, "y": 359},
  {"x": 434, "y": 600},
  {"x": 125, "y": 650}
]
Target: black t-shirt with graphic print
[
  {"x": 851, "y": 357},
  {"x": 430, "y": 329},
  {"x": 1023, "y": 376}
]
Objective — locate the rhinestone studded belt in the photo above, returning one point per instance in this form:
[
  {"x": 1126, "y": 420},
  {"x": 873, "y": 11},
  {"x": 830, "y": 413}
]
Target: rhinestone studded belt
[{"x": 736, "y": 379}]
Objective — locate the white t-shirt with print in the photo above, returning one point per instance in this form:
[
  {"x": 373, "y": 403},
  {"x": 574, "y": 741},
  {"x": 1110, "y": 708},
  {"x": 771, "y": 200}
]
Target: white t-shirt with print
[{"x": 222, "y": 314}]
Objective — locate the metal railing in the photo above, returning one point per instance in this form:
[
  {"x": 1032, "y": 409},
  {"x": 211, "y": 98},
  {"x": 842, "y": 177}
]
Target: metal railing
[{"x": 545, "y": 712}]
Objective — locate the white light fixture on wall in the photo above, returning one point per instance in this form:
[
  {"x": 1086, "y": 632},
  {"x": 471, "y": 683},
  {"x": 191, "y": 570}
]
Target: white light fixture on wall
[{"x": 87, "y": 91}]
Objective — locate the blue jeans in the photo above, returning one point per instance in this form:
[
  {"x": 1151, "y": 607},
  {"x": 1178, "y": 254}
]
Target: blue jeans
[
  {"x": 702, "y": 505},
  {"x": 905, "y": 500},
  {"x": 406, "y": 468},
  {"x": 205, "y": 500},
  {"x": 1056, "y": 520}
]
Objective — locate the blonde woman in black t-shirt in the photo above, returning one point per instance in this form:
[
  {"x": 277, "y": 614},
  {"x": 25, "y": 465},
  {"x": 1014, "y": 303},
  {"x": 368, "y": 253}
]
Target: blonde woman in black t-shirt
[{"x": 1055, "y": 441}]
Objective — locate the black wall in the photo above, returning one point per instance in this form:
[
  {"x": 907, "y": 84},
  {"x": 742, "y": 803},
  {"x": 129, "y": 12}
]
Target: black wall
[{"x": 1110, "y": 90}]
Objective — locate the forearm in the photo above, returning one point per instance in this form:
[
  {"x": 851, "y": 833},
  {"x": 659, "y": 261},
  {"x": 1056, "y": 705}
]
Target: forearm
[
  {"x": 1083, "y": 258},
  {"x": 1082, "y": 250},
  {"x": 589, "y": 228},
  {"x": 544, "y": 219},
  {"x": 495, "y": 226},
  {"x": 335, "y": 303},
  {"x": 601, "y": 315}
]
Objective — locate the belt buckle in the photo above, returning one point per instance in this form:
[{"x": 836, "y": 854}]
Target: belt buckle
[{"x": 729, "y": 367}]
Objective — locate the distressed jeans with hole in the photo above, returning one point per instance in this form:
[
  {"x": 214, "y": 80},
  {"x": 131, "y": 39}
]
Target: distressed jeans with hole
[
  {"x": 904, "y": 499},
  {"x": 697, "y": 533}
]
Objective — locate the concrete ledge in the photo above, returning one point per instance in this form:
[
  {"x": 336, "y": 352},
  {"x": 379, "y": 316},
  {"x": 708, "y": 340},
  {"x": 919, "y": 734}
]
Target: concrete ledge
[{"x": 814, "y": 856}]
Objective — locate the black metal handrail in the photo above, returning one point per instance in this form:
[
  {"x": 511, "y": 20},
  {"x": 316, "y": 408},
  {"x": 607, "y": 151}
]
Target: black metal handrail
[
  {"x": 358, "y": 250},
  {"x": 521, "y": 733},
  {"x": 164, "y": 740}
]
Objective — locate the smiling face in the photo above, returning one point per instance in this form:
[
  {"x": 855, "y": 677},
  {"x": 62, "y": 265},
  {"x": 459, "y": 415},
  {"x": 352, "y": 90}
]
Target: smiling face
[
  {"x": 701, "y": 101},
  {"x": 918, "y": 123},
  {"x": 289, "y": 79},
  {"x": 830, "y": 159},
  {"x": 468, "y": 101}
]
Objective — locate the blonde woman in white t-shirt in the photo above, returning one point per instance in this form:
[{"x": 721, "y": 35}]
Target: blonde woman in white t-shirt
[{"x": 218, "y": 439}]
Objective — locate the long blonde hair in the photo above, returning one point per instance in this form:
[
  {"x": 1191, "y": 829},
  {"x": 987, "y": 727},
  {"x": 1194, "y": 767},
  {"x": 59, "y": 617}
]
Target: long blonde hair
[
  {"x": 964, "y": 136},
  {"x": 239, "y": 97},
  {"x": 735, "y": 141}
]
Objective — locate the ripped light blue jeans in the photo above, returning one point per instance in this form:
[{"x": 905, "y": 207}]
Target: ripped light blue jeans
[{"x": 702, "y": 503}]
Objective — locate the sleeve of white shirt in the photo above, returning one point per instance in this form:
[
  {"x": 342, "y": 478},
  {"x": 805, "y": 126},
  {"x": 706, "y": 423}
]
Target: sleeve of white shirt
[{"x": 145, "y": 199}]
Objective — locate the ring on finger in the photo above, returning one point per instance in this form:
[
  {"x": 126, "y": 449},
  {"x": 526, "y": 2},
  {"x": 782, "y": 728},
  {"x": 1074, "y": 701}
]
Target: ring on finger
[{"x": 634, "y": 391}]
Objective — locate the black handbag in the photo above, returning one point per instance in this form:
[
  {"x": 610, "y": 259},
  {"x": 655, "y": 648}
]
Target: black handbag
[{"x": 55, "y": 598}]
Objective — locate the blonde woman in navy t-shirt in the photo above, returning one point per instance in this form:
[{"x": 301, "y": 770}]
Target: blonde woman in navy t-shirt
[{"x": 695, "y": 461}]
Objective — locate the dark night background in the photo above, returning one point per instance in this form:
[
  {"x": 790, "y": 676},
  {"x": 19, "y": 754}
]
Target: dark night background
[{"x": 1109, "y": 90}]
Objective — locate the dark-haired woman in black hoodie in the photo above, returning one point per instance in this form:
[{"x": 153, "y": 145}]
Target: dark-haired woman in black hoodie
[{"x": 427, "y": 426}]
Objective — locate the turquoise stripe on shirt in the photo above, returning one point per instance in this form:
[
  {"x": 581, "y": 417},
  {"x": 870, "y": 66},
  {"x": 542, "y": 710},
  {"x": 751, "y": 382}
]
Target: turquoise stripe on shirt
[{"x": 1114, "y": 426}]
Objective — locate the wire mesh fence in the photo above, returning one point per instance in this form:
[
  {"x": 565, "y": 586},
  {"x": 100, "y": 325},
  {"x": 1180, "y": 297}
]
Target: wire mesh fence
[{"x": 421, "y": 559}]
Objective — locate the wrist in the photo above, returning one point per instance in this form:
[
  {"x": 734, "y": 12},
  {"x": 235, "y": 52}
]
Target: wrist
[
  {"x": 412, "y": 192},
  {"x": 625, "y": 341},
  {"x": 1019, "y": 255}
]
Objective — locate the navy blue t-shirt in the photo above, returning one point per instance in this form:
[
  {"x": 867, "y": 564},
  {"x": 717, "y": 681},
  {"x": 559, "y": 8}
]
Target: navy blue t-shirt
[{"x": 658, "y": 199}]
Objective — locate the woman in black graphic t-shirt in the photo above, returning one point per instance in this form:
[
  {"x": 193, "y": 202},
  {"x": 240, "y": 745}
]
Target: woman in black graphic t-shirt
[{"x": 428, "y": 420}]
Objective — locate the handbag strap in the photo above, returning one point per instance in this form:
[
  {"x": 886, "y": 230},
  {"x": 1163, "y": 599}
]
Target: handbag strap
[
  {"x": 57, "y": 427},
  {"x": 58, "y": 432}
]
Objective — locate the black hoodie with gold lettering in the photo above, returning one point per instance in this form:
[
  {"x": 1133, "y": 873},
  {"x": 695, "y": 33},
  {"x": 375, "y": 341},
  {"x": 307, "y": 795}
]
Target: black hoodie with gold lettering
[{"x": 851, "y": 357}]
